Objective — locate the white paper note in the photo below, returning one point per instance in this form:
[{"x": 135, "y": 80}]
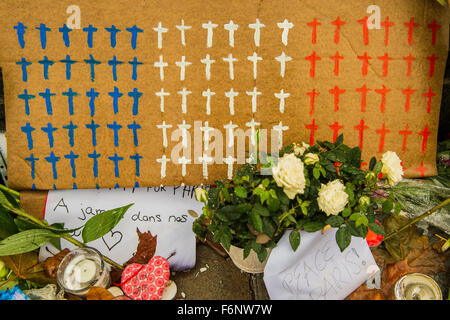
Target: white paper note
[
  {"x": 317, "y": 270},
  {"x": 161, "y": 210}
]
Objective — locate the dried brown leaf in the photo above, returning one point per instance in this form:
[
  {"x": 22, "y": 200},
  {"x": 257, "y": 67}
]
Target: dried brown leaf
[
  {"x": 99, "y": 293},
  {"x": 146, "y": 248},
  {"x": 51, "y": 264}
]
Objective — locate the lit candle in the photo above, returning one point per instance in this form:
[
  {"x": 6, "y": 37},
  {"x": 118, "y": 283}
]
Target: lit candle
[{"x": 417, "y": 286}]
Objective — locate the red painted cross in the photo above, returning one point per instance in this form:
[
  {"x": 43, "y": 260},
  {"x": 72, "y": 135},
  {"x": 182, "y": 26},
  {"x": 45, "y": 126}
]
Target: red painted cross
[
  {"x": 432, "y": 60},
  {"x": 336, "y": 59},
  {"x": 387, "y": 24},
  {"x": 312, "y": 95},
  {"x": 365, "y": 30},
  {"x": 422, "y": 169},
  {"x": 409, "y": 59},
  {"x": 338, "y": 23},
  {"x": 361, "y": 127},
  {"x": 314, "y": 25},
  {"x": 434, "y": 27},
  {"x": 411, "y": 25},
  {"x": 365, "y": 59},
  {"x": 408, "y": 93},
  {"x": 337, "y": 92},
  {"x": 313, "y": 58},
  {"x": 425, "y": 134},
  {"x": 429, "y": 95},
  {"x": 312, "y": 127},
  {"x": 335, "y": 127},
  {"x": 382, "y": 132},
  {"x": 383, "y": 92},
  {"x": 385, "y": 60},
  {"x": 363, "y": 91},
  {"x": 405, "y": 133}
]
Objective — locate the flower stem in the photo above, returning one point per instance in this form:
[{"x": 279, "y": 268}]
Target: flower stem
[
  {"x": 13, "y": 192},
  {"x": 423, "y": 216}
]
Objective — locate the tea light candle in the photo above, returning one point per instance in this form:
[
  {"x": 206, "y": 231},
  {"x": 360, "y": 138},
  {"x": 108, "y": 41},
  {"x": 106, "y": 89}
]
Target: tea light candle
[
  {"x": 81, "y": 269},
  {"x": 417, "y": 286}
]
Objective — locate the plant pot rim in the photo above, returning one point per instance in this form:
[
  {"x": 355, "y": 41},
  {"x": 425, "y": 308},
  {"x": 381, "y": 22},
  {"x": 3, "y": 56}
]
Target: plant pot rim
[{"x": 251, "y": 264}]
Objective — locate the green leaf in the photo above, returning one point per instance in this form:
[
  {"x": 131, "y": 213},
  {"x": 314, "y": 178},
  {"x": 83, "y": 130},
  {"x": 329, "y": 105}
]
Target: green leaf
[
  {"x": 339, "y": 140},
  {"x": 248, "y": 247},
  {"x": 355, "y": 216},
  {"x": 262, "y": 254},
  {"x": 312, "y": 226},
  {"x": 335, "y": 221},
  {"x": 343, "y": 238},
  {"x": 376, "y": 228},
  {"x": 377, "y": 168},
  {"x": 102, "y": 223},
  {"x": 283, "y": 198},
  {"x": 256, "y": 220},
  {"x": 264, "y": 196},
  {"x": 7, "y": 225},
  {"x": 347, "y": 211},
  {"x": 372, "y": 163},
  {"x": 294, "y": 239},
  {"x": 273, "y": 193},
  {"x": 240, "y": 192},
  {"x": 265, "y": 182},
  {"x": 25, "y": 241},
  {"x": 387, "y": 206},
  {"x": 261, "y": 210},
  {"x": 362, "y": 220},
  {"x": 268, "y": 227},
  {"x": 273, "y": 204},
  {"x": 316, "y": 173}
]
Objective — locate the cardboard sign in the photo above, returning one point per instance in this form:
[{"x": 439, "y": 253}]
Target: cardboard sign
[
  {"x": 317, "y": 270},
  {"x": 161, "y": 210},
  {"x": 143, "y": 93}
]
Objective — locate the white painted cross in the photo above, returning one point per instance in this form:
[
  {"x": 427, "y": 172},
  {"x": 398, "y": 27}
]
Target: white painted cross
[
  {"x": 183, "y": 64},
  {"x": 282, "y": 96},
  {"x": 230, "y": 61},
  {"x": 285, "y": 25},
  {"x": 160, "y": 31},
  {"x": 205, "y": 131},
  {"x": 207, "y": 61},
  {"x": 283, "y": 58},
  {"x": 208, "y": 93},
  {"x": 230, "y": 128},
  {"x": 183, "y": 161},
  {"x": 163, "y": 160},
  {"x": 209, "y": 36},
  {"x": 252, "y": 124},
  {"x": 254, "y": 95},
  {"x": 205, "y": 159},
  {"x": 255, "y": 58},
  {"x": 280, "y": 128},
  {"x": 161, "y": 94},
  {"x": 230, "y": 95},
  {"x": 184, "y": 92},
  {"x": 257, "y": 34},
  {"x": 161, "y": 65},
  {"x": 182, "y": 28},
  {"x": 229, "y": 161},
  {"x": 231, "y": 27},
  {"x": 164, "y": 128},
  {"x": 184, "y": 127}
]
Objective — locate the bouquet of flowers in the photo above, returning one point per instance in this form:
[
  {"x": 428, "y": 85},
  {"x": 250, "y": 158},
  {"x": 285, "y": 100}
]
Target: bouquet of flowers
[{"x": 310, "y": 188}]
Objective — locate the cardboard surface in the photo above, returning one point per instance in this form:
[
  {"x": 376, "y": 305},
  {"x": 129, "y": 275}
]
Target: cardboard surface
[{"x": 399, "y": 111}]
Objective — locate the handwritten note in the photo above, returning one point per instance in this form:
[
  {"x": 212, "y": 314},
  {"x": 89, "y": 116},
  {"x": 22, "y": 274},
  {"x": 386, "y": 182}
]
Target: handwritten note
[
  {"x": 318, "y": 270},
  {"x": 161, "y": 210}
]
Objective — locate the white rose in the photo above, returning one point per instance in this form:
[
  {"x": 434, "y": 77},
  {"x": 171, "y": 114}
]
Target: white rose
[
  {"x": 201, "y": 195},
  {"x": 311, "y": 158},
  {"x": 289, "y": 175},
  {"x": 392, "y": 167},
  {"x": 332, "y": 197},
  {"x": 300, "y": 150}
]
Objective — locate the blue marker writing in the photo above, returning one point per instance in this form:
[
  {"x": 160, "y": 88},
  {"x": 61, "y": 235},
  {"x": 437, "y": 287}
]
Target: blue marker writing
[
  {"x": 92, "y": 95},
  {"x": 65, "y": 34},
  {"x": 93, "y": 126},
  {"x": 113, "y": 31},
  {"x": 49, "y": 129},
  {"x": 24, "y": 64},
  {"x": 115, "y": 95},
  {"x": 134, "y": 32},
  {"x": 115, "y": 127},
  {"x": 70, "y": 127},
  {"x": 53, "y": 159},
  {"x": 92, "y": 62},
  {"x": 136, "y": 157},
  {"x": 116, "y": 160},
  {"x": 46, "y": 63},
  {"x": 90, "y": 30},
  {"x": 134, "y": 126},
  {"x": 27, "y": 129},
  {"x": 48, "y": 102},
  {"x": 68, "y": 63},
  {"x": 20, "y": 32},
  {"x": 95, "y": 156},
  {"x": 135, "y": 95},
  {"x": 32, "y": 160},
  {"x": 70, "y": 94},
  {"x": 134, "y": 63},
  {"x": 114, "y": 62},
  {"x": 26, "y": 97},
  {"x": 71, "y": 156},
  {"x": 43, "y": 34}
]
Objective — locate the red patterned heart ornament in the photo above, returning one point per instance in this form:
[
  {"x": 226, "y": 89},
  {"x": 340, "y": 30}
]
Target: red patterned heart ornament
[{"x": 146, "y": 282}]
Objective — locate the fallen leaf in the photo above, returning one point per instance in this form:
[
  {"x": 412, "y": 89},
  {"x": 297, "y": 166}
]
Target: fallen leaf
[
  {"x": 99, "y": 293},
  {"x": 51, "y": 264},
  {"x": 145, "y": 249}
]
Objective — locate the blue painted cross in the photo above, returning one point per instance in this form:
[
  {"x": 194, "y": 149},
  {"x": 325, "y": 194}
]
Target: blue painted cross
[
  {"x": 114, "y": 62},
  {"x": 70, "y": 94},
  {"x": 116, "y": 160},
  {"x": 71, "y": 127},
  {"x": 24, "y": 64},
  {"x": 65, "y": 34},
  {"x": 49, "y": 129},
  {"x": 134, "y": 63},
  {"x": 134, "y": 32},
  {"x": 92, "y": 95},
  {"x": 48, "y": 102},
  {"x": 90, "y": 30},
  {"x": 93, "y": 126},
  {"x": 113, "y": 31},
  {"x": 46, "y": 63},
  {"x": 27, "y": 129},
  {"x": 32, "y": 160},
  {"x": 68, "y": 63},
  {"x": 43, "y": 34},
  {"x": 26, "y": 97},
  {"x": 53, "y": 159},
  {"x": 115, "y": 127},
  {"x": 135, "y": 94},
  {"x": 20, "y": 32},
  {"x": 95, "y": 156},
  {"x": 92, "y": 62},
  {"x": 136, "y": 157},
  {"x": 71, "y": 156},
  {"x": 115, "y": 95},
  {"x": 134, "y": 126}
]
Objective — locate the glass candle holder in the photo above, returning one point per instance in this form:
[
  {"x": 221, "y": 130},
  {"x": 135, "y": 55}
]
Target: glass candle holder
[
  {"x": 417, "y": 286},
  {"x": 80, "y": 269}
]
